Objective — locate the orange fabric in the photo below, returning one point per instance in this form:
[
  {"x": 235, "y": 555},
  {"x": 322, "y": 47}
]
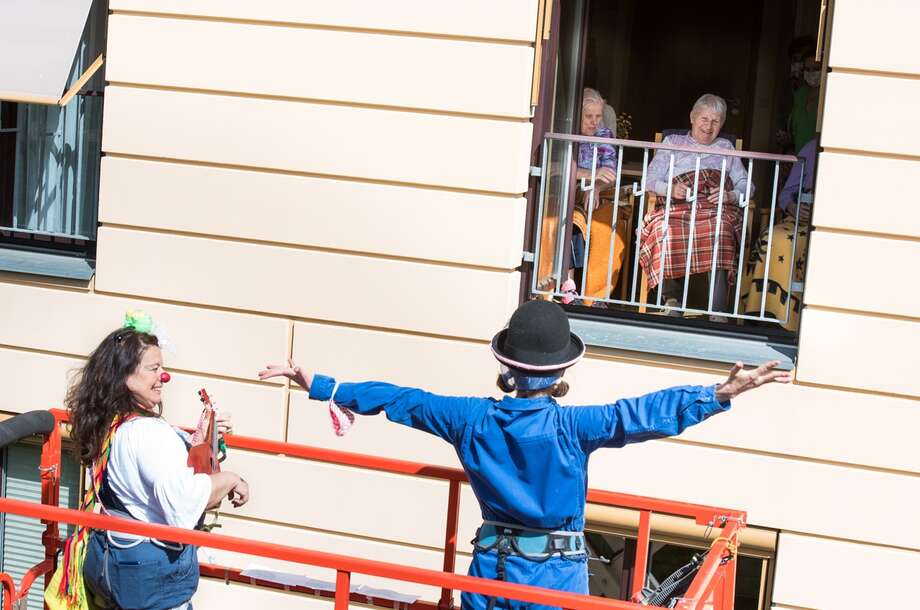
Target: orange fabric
[{"x": 598, "y": 256}]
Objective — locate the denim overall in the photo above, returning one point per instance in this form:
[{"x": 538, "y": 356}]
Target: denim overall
[{"x": 138, "y": 573}]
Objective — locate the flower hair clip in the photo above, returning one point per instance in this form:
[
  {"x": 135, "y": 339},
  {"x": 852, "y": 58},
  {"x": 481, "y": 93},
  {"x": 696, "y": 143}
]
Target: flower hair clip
[{"x": 140, "y": 321}]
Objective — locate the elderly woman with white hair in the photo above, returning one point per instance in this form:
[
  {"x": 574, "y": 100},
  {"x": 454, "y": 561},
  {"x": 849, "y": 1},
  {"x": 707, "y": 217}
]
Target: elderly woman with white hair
[
  {"x": 593, "y": 124},
  {"x": 671, "y": 242}
]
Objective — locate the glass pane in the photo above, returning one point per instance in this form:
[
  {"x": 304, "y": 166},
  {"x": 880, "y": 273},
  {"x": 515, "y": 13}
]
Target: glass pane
[
  {"x": 552, "y": 222},
  {"x": 571, "y": 32}
]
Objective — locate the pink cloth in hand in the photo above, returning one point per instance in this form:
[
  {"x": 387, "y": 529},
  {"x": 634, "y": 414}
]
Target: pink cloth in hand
[{"x": 342, "y": 418}]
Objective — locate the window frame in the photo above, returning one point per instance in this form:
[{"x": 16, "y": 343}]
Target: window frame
[
  {"x": 65, "y": 255},
  {"x": 627, "y": 330}
]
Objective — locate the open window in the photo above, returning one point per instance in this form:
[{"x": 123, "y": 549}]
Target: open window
[
  {"x": 676, "y": 168},
  {"x": 51, "y": 86}
]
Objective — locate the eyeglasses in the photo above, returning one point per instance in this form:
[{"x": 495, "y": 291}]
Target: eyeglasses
[{"x": 122, "y": 336}]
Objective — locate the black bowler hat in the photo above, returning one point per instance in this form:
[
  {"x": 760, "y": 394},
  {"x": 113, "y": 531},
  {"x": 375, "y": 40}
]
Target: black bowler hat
[{"x": 538, "y": 338}]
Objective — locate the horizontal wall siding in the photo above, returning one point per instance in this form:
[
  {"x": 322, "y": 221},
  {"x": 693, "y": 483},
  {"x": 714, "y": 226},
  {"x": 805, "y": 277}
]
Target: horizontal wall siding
[
  {"x": 356, "y": 67},
  {"x": 776, "y": 492},
  {"x": 759, "y": 421},
  {"x": 872, "y": 114},
  {"x": 357, "y": 354},
  {"x": 882, "y": 209},
  {"x": 818, "y": 573},
  {"x": 879, "y": 35},
  {"x": 33, "y": 381},
  {"x": 860, "y": 352},
  {"x": 257, "y": 410},
  {"x": 339, "y": 499},
  {"x": 200, "y": 340},
  {"x": 862, "y": 273},
  {"x": 422, "y": 223},
  {"x": 387, "y": 145},
  {"x": 431, "y": 559},
  {"x": 305, "y": 283},
  {"x": 506, "y": 20}
]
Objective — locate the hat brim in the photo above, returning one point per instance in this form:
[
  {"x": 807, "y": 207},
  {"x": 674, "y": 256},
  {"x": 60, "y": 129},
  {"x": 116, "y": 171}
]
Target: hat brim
[{"x": 539, "y": 362}]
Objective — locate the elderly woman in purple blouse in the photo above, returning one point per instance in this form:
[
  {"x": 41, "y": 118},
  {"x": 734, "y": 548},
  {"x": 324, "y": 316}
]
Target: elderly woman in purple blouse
[
  {"x": 592, "y": 124},
  {"x": 670, "y": 243}
]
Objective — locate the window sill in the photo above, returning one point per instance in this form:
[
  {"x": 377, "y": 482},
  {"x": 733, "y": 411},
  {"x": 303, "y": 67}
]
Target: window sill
[
  {"x": 711, "y": 346},
  {"x": 46, "y": 264}
]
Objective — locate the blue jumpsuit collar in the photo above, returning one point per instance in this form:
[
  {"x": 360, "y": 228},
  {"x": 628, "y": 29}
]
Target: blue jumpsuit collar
[{"x": 511, "y": 403}]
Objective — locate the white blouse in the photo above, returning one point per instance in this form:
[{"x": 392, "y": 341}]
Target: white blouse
[{"x": 147, "y": 471}]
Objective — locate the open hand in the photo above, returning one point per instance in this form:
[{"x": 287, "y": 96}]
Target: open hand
[
  {"x": 292, "y": 371},
  {"x": 740, "y": 380}
]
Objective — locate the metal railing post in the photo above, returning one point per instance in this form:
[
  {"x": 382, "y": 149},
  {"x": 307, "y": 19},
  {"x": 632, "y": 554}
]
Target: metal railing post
[
  {"x": 608, "y": 287},
  {"x": 716, "y": 238},
  {"x": 694, "y": 201},
  {"x": 766, "y": 269},
  {"x": 450, "y": 540},
  {"x": 666, "y": 232},
  {"x": 643, "y": 540},
  {"x": 342, "y": 589},
  {"x": 50, "y": 472}
]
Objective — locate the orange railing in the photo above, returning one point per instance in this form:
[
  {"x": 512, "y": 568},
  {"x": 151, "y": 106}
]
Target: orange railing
[{"x": 714, "y": 582}]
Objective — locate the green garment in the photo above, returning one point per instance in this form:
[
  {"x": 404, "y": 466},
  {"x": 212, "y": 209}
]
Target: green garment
[{"x": 804, "y": 117}]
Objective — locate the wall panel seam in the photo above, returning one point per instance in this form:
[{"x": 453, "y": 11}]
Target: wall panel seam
[
  {"x": 794, "y": 457},
  {"x": 874, "y": 73},
  {"x": 866, "y": 153},
  {"x": 861, "y": 313},
  {"x": 308, "y": 248},
  {"x": 343, "y": 534},
  {"x": 348, "y": 325},
  {"x": 328, "y": 27},
  {"x": 321, "y": 102},
  {"x": 286, "y": 172},
  {"x": 855, "y": 390},
  {"x": 840, "y": 230},
  {"x": 878, "y": 545},
  {"x": 181, "y": 371}
]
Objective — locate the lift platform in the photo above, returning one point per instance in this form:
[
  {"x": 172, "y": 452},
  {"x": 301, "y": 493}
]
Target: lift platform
[{"x": 712, "y": 587}]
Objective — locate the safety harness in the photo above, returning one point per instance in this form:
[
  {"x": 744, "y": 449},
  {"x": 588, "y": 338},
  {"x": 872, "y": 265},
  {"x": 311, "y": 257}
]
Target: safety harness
[{"x": 536, "y": 545}]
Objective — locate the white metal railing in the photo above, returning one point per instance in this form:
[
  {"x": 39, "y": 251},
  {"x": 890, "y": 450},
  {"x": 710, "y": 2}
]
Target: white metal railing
[{"x": 556, "y": 210}]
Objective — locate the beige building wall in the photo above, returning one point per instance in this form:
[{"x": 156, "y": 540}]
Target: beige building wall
[{"x": 343, "y": 183}]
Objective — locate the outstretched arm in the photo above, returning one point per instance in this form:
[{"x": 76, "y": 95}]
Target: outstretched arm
[
  {"x": 443, "y": 416},
  {"x": 667, "y": 412}
]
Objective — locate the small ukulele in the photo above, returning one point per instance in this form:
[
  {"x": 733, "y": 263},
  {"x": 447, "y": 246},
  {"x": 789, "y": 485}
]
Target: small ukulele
[{"x": 203, "y": 457}]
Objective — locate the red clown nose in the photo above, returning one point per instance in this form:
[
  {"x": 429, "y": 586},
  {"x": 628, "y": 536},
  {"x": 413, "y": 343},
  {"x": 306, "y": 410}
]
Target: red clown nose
[{"x": 164, "y": 377}]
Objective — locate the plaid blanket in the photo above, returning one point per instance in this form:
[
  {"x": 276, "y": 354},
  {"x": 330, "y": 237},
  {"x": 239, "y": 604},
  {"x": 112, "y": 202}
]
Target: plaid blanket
[{"x": 672, "y": 241}]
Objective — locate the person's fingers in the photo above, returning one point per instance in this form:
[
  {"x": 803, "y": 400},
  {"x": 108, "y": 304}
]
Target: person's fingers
[{"x": 737, "y": 368}]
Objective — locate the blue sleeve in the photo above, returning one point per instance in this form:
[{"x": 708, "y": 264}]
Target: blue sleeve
[
  {"x": 656, "y": 415},
  {"x": 442, "y": 416}
]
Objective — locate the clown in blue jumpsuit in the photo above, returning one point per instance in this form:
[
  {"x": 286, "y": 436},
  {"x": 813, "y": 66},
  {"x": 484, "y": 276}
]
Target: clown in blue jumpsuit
[{"x": 527, "y": 458}]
